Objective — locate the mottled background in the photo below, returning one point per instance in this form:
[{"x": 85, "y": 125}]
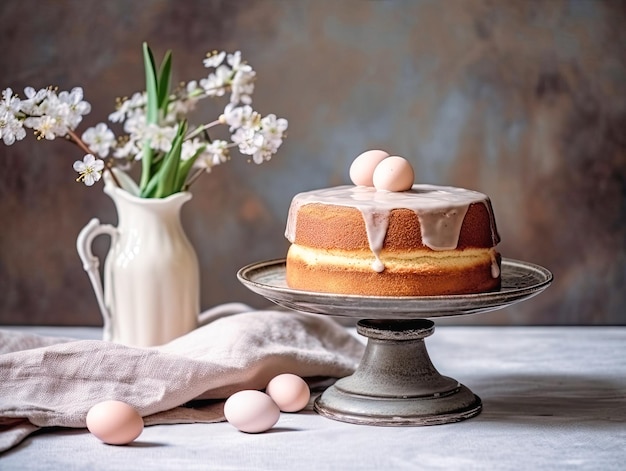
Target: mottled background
[{"x": 524, "y": 101}]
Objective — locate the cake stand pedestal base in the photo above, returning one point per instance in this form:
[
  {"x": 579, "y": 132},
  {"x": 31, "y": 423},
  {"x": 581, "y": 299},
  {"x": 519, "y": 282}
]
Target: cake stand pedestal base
[{"x": 396, "y": 383}]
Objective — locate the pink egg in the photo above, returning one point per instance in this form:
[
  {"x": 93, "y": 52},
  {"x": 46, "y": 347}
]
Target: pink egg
[
  {"x": 251, "y": 411},
  {"x": 362, "y": 168},
  {"x": 290, "y": 392},
  {"x": 394, "y": 174},
  {"x": 114, "y": 422}
]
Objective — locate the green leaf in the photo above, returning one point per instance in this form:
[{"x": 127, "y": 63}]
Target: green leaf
[
  {"x": 165, "y": 76},
  {"x": 185, "y": 167},
  {"x": 151, "y": 113},
  {"x": 152, "y": 86},
  {"x": 150, "y": 189},
  {"x": 169, "y": 169}
]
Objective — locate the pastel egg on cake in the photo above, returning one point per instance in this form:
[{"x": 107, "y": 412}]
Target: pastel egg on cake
[
  {"x": 394, "y": 173},
  {"x": 362, "y": 168}
]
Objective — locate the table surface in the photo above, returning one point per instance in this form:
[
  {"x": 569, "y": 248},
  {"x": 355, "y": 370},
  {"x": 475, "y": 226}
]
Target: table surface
[{"x": 553, "y": 398}]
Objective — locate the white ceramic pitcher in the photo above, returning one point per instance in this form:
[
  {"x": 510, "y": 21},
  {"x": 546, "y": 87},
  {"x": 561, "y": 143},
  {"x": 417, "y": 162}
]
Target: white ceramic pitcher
[{"x": 151, "y": 292}]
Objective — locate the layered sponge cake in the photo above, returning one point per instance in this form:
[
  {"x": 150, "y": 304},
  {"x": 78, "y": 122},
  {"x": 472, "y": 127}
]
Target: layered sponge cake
[{"x": 426, "y": 240}]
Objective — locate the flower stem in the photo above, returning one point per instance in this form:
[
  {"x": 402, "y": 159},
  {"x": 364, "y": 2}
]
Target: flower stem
[
  {"x": 201, "y": 129},
  {"x": 193, "y": 178},
  {"x": 78, "y": 141}
]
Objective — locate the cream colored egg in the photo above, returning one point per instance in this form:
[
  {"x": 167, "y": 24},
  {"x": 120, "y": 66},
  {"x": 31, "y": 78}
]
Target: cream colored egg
[
  {"x": 114, "y": 422},
  {"x": 394, "y": 174},
  {"x": 362, "y": 168},
  {"x": 251, "y": 411},
  {"x": 290, "y": 392}
]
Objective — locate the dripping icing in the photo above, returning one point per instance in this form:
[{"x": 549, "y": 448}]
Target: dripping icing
[
  {"x": 440, "y": 210},
  {"x": 495, "y": 268}
]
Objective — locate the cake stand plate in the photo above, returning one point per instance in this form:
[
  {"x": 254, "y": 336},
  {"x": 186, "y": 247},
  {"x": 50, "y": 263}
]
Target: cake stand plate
[{"x": 396, "y": 383}]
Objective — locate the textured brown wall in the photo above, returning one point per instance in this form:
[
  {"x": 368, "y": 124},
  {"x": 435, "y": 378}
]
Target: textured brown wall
[{"x": 524, "y": 101}]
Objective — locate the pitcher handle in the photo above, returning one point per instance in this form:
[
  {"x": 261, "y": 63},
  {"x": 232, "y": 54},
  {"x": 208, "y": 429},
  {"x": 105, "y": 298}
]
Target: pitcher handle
[{"x": 91, "y": 265}]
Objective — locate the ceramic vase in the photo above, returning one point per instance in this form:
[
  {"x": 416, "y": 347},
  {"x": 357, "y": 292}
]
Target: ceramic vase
[{"x": 151, "y": 291}]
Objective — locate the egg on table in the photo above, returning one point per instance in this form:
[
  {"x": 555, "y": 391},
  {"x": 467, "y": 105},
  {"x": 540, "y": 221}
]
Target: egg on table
[
  {"x": 290, "y": 392},
  {"x": 251, "y": 411},
  {"x": 114, "y": 422}
]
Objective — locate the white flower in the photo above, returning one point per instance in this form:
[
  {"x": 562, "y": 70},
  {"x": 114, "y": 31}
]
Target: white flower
[
  {"x": 234, "y": 60},
  {"x": 10, "y": 103},
  {"x": 90, "y": 169},
  {"x": 214, "y": 154},
  {"x": 33, "y": 99},
  {"x": 129, "y": 149},
  {"x": 99, "y": 139},
  {"x": 190, "y": 148},
  {"x": 249, "y": 140},
  {"x": 160, "y": 137},
  {"x": 128, "y": 107},
  {"x": 214, "y": 59},
  {"x": 135, "y": 123},
  {"x": 120, "y": 113},
  {"x": 242, "y": 88},
  {"x": 192, "y": 88},
  {"x": 46, "y": 127},
  {"x": 72, "y": 107},
  {"x": 263, "y": 154},
  {"x": 11, "y": 128},
  {"x": 258, "y": 137},
  {"x": 273, "y": 130},
  {"x": 254, "y": 135},
  {"x": 48, "y": 105},
  {"x": 217, "y": 83},
  {"x": 240, "y": 117},
  {"x": 242, "y": 82}
]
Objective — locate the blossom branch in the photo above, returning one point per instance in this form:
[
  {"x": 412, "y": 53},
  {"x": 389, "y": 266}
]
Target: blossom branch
[
  {"x": 176, "y": 162},
  {"x": 78, "y": 141}
]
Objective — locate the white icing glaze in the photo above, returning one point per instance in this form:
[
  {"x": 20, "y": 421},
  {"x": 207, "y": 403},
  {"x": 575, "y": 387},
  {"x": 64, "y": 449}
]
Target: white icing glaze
[
  {"x": 495, "y": 267},
  {"x": 440, "y": 210}
]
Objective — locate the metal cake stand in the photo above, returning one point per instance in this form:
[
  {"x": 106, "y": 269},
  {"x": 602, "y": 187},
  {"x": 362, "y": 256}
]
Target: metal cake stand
[{"x": 396, "y": 382}]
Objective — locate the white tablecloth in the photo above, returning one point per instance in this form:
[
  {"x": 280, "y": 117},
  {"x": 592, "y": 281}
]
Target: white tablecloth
[{"x": 553, "y": 398}]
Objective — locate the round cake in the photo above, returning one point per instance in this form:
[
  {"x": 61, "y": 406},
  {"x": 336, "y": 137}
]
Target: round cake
[{"x": 429, "y": 240}]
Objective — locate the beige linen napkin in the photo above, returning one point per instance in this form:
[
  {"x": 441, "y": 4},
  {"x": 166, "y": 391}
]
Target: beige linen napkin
[{"x": 48, "y": 381}]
